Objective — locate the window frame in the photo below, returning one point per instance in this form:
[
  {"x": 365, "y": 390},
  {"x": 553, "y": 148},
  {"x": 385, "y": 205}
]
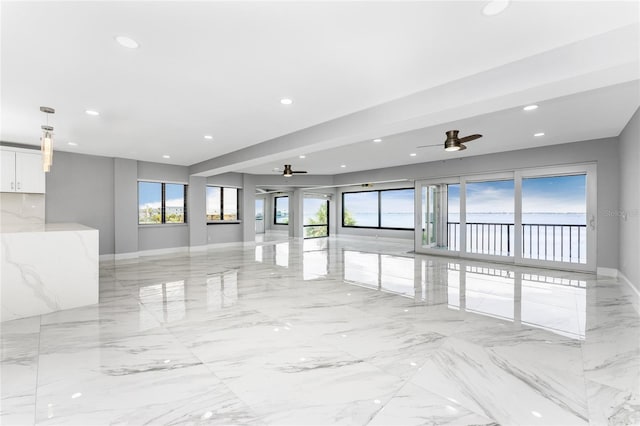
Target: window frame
[
  {"x": 222, "y": 220},
  {"x": 379, "y": 191},
  {"x": 163, "y": 206},
  {"x": 275, "y": 209}
]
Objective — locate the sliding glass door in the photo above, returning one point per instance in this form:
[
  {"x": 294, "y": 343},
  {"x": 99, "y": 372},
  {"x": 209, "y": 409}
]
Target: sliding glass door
[
  {"x": 439, "y": 215},
  {"x": 558, "y": 217},
  {"x": 490, "y": 215},
  {"x": 541, "y": 217}
]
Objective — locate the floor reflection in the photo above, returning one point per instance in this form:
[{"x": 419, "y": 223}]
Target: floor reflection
[{"x": 548, "y": 301}]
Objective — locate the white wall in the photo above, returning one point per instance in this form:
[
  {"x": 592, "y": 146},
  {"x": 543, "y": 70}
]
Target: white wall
[{"x": 628, "y": 215}]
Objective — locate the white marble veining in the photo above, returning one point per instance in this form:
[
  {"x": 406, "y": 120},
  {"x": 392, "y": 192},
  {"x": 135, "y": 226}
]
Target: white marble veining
[
  {"x": 329, "y": 331},
  {"x": 47, "y": 268},
  {"x": 21, "y": 209}
]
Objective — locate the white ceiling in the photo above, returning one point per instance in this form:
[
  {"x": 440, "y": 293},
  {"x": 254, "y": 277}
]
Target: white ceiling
[{"x": 220, "y": 68}]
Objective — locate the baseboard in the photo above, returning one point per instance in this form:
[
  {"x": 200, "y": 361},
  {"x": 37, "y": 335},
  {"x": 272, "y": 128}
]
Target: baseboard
[
  {"x": 106, "y": 257},
  {"x": 607, "y": 272},
  {"x": 154, "y": 252},
  {"x": 635, "y": 292},
  {"x": 195, "y": 249},
  {"x": 624, "y": 278}
]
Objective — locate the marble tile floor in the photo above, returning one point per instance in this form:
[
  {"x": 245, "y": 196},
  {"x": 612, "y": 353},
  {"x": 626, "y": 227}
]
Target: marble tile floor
[{"x": 324, "y": 332}]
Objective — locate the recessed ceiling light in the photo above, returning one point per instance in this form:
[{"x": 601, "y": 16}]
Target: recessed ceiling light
[
  {"x": 166, "y": 156},
  {"x": 91, "y": 112},
  {"x": 530, "y": 107},
  {"x": 343, "y": 165},
  {"x": 208, "y": 137},
  {"x": 377, "y": 140},
  {"x": 413, "y": 154},
  {"x": 127, "y": 42},
  {"x": 537, "y": 135},
  {"x": 495, "y": 7},
  {"x": 302, "y": 156},
  {"x": 286, "y": 101},
  {"x": 72, "y": 143}
]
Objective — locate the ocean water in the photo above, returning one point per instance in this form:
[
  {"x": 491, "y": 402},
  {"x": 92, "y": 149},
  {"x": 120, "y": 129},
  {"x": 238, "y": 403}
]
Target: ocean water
[{"x": 399, "y": 220}]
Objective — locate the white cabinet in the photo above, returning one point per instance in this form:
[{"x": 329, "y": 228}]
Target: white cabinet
[{"x": 21, "y": 171}]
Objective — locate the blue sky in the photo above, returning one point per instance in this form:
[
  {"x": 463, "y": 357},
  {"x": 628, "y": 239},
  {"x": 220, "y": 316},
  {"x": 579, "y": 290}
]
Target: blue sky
[
  {"x": 556, "y": 194},
  {"x": 282, "y": 204},
  {"x": 150, "y": 194},
  {"x": 400, "y": 201}
]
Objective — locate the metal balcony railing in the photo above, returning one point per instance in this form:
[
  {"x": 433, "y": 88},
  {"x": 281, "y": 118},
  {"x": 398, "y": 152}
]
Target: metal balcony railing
[{"x": 542, "y": 241}]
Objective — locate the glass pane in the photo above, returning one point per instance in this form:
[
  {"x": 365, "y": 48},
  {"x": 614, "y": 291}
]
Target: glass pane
[
  {"x": 430, "y": 216},
  {"x": 490, "y": 217},
  {"x": 360, "y": 209},
  {"x": 230, "y": 201},
  {"x": 259, "y": 209},
  {"x": 315, "y": 211},
  {"x": 554, "y": 218},
  {"x": 316, "y": 231},
  {"x": 214, "y": 206},
  {"x": 149, "y": 202},
  {"x": 453, "y": 217},
  {"x": 174, "y": 203},
  {"x": 396, "y": 209},
  {"x": 282, "y": 210}
]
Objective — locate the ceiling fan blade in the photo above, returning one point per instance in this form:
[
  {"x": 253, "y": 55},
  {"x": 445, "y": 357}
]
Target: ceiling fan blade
[
  {"x": 462, "y": 147},
  {"x": 428, "y": 146},
  {"x": 298, "y": 171},
  {"x": 469, "y": 138}
]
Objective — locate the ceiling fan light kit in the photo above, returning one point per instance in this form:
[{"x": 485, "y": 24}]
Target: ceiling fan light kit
[{"x": 288, "y": 172}]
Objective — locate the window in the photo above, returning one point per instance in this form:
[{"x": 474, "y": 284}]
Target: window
[
  {"x": 281, "y": 211},
  {"x": 396, "y": 209},
  {"x": 222, "y": 204},
  {"x": 316, "y": 217},
  {"x": 160, "y": 202},
  {"x": 390, "y": 209}
]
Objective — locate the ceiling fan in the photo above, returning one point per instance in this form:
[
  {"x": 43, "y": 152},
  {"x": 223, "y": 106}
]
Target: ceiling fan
[
  {"x": 453, "y": 142},
  {"x": 288, "y": 172}
]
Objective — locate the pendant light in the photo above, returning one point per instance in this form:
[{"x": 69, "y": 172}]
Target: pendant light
[{"x": 46, "y": 141}]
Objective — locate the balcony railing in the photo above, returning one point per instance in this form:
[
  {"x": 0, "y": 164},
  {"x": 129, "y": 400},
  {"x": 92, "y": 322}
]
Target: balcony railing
[{"x": 542, "y": 241}]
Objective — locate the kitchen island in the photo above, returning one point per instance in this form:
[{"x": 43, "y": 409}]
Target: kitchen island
[{"x": 47, "y": 268}]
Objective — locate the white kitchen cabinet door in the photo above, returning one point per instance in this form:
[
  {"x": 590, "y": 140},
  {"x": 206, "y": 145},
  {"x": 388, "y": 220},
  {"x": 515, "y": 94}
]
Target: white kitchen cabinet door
[
  {"x": 7, "y": 171},
  {"x": 29, "y": 174}
]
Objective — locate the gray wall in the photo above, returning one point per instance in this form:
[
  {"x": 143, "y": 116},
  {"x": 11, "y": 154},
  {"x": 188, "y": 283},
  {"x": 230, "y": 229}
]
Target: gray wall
[
  {"x": 629, "y": 217},
  {"x": 233, "y": 180},
  {"x": 224, "y": 233},
  {"x": 102, "y": 193},
  {"x": 125, "y": 209},
  {"x": 154, "y": 237},
  {"x": 80, "y": 188},
  {"x": 196, "y": 211},
  {"x": 162, "y": 172},
  {"x": 604, "y": 152}
]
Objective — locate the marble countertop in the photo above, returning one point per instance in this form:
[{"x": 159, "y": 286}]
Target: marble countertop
[{"x": 44, "y": 227}]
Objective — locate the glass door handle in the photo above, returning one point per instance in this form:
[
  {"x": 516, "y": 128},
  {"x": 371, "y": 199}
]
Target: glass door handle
[{"x": 592, "y": 223}]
